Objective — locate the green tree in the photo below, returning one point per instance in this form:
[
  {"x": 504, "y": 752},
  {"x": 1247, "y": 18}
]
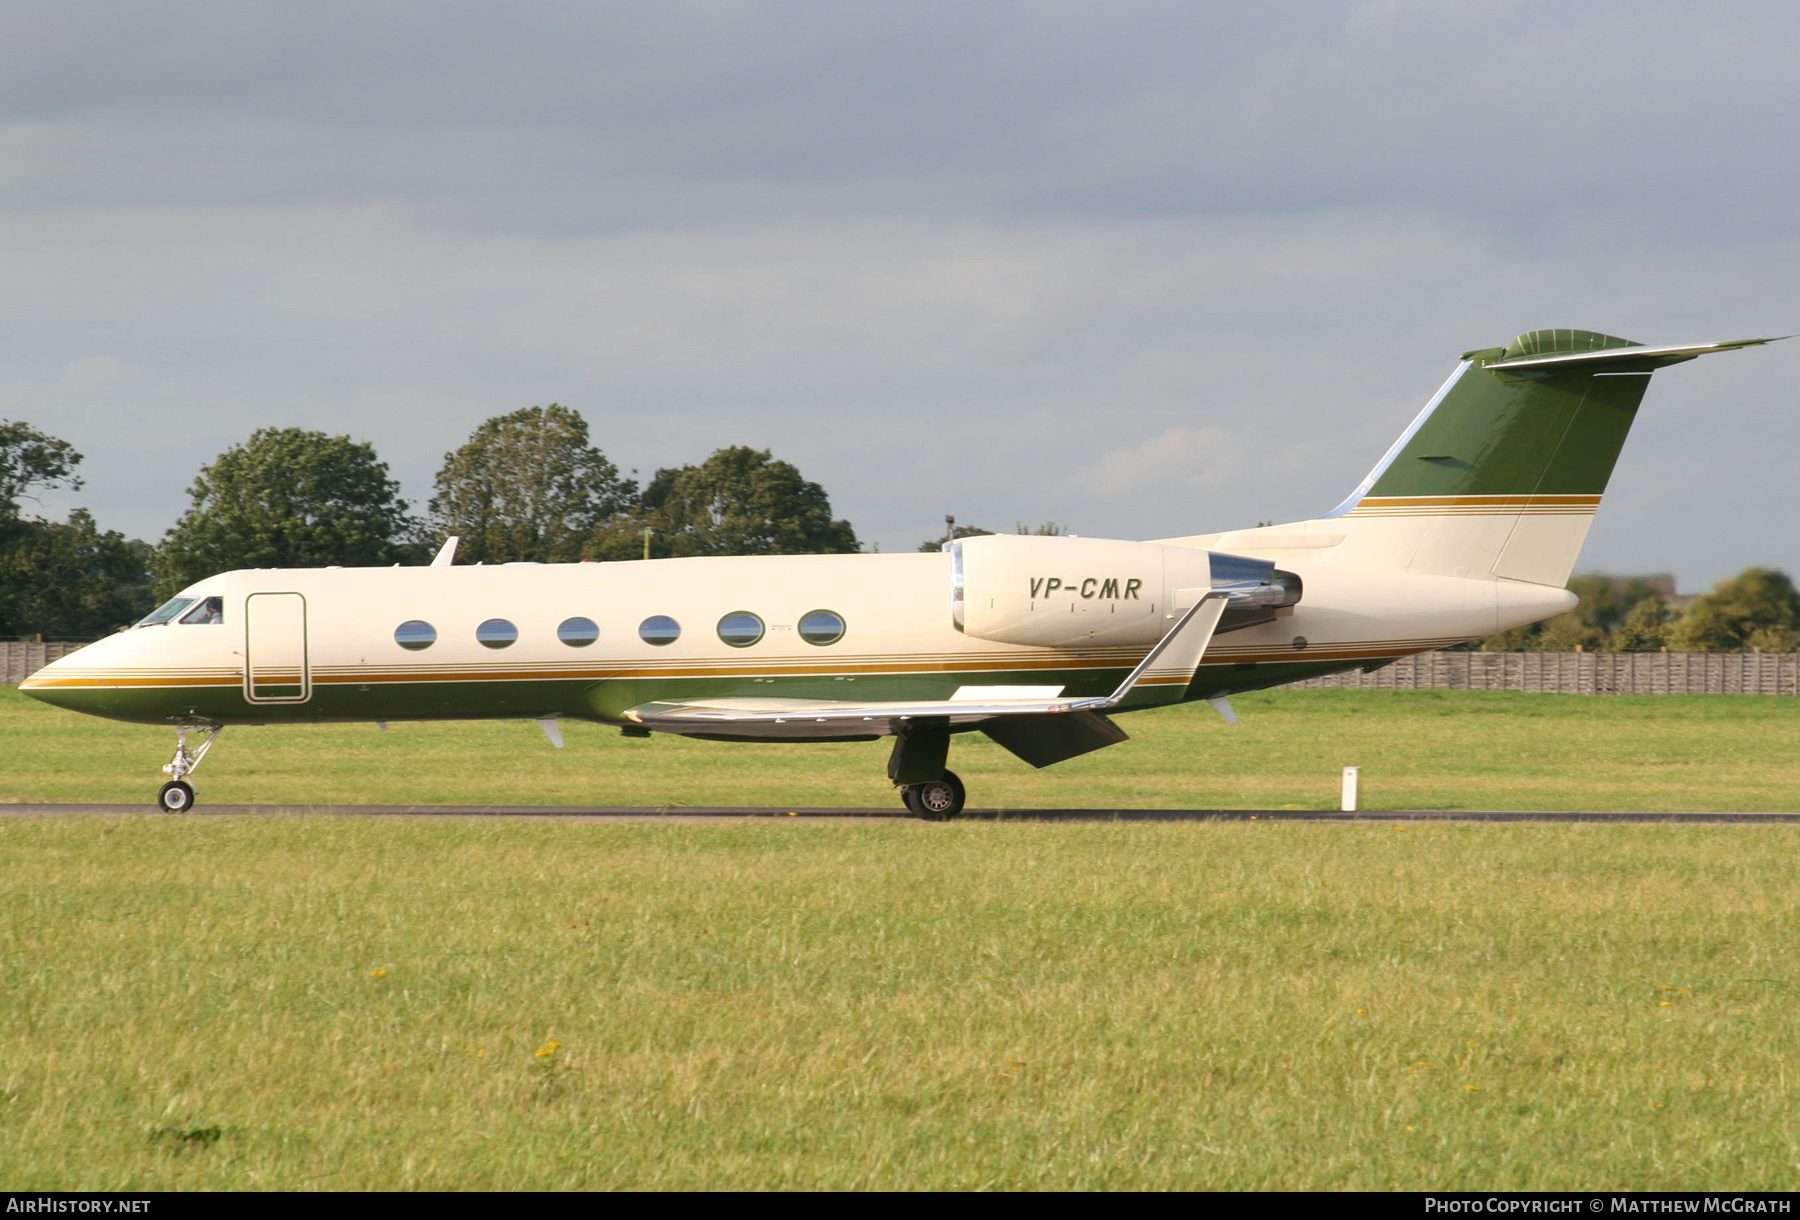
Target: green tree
[
  {"x": 1730, "y": 617},
  {"x": 1602, "y": 606},
  {"x": 30, "y": 460},
  {"x": 740, "y": 501},
  {"x": 287, "y": 498},
  {"x": 1567, "y": 633},
  {"x": 959, "y": 531},
  {"x": 70, "y": 579},
  {"x": 1645, "y": 629},
  {"x": 66, "y": 579},
  {"x": 529, "y": 486}
]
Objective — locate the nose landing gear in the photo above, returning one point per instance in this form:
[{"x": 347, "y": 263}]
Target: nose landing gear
[
  {"x": 935, "y": 800},
  {"x": 177, "y": 796}
]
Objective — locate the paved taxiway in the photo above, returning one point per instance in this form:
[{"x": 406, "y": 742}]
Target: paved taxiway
[{"x": 712, "y": 812}]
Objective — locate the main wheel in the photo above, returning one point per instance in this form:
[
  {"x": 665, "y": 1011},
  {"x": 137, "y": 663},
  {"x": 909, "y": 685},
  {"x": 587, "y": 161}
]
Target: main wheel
[
  {"x": 175, "y": 797},
  {"x": 936, "y": 800}
]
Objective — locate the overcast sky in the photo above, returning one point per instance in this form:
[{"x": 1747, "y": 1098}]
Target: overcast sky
[{"x": 1142, "y": 268}]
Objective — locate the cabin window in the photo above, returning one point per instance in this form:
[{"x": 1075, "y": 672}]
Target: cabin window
[
  {"x": 166, "y": 611},
  {"x": 210, "y": 612},
  {"x": 659, "y": 629},
  {"x": 821, "y": 627},
  {"x": 497, "y": 633},
  {"x": 578, "y": 632},
  {"x": 740, "y": 629},
  {"x": 415, "y": 635}
]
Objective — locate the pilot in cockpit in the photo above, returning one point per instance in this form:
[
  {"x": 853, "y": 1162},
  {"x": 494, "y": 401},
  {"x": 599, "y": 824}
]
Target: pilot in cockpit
[{"x": 210, "y": 612}]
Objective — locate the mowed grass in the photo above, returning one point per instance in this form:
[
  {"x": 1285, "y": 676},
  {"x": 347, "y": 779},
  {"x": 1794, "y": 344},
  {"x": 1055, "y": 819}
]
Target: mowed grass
[
  {"x": 299, "y": 1001},
  {"x": 1418, "y": 750}
]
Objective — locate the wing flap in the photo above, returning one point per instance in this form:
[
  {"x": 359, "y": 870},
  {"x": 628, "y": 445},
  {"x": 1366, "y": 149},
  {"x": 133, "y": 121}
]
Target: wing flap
[{"x": 1043, "y": 740}]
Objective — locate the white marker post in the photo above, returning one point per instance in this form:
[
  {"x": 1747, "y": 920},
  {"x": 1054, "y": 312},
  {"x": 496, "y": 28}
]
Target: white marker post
[{"x": 1350, "y": 774}]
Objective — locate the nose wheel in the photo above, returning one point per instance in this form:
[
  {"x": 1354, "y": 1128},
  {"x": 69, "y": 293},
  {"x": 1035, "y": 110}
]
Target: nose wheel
[
  {"x": 177, "y": 796},
  {"x": 935, "y": 800}
]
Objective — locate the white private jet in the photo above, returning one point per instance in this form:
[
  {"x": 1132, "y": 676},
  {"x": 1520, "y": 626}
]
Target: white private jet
[{"x": 1469, "y": 524}]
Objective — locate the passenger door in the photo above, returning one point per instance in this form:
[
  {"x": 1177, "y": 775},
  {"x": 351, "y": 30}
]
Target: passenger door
[{"x": 276, "y": 668}]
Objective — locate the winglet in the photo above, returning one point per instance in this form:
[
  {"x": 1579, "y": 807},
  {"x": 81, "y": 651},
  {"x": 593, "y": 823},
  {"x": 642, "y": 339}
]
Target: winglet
[
  {"x": 447, "y": 553},
  {"x": 1205, "y": 606}
]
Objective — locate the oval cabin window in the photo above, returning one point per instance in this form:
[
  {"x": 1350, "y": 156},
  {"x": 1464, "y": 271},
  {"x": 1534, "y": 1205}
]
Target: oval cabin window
[
  {"x": 822, "y": 627},
  {"x": 659, "y": 629},
  {"x": 740, "y": 629},
  {"x": 415, "y": 635},
  {"x": 578, "y": 632},
  {"x": 497, "y": 633}
]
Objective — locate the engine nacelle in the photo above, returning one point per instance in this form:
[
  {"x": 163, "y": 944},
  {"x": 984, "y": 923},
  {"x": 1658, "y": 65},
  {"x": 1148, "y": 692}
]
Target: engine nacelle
[{"x": 1085, "y": 592}]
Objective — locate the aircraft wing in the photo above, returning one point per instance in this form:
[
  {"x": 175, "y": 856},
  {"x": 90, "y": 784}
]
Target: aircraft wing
[
  {"x": 1173, "y": 658},
  {"x": 834, "y": 717}
]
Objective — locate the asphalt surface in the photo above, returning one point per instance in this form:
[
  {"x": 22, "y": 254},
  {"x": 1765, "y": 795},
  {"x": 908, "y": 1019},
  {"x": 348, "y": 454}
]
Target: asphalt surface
[{"x": 710, "y": 812}]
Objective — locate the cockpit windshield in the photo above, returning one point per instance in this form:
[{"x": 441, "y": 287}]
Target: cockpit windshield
[
  {"x": 210, "y": 612},
  {"x": 167, "y": 611}
]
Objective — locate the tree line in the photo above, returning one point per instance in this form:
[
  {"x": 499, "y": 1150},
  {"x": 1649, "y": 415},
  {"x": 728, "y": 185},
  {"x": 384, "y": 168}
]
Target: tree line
[
  {"x": 531, "y": 486},
  {"x": 526, "y": 486}
]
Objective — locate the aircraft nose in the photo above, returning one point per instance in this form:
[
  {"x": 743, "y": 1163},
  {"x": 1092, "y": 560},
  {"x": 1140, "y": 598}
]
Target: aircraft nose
[
  {"x": 51, "y": 684},
  {"x": 44, "y": 689}
]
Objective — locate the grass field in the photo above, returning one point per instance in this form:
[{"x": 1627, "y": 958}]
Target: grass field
[
  {"x": 324, "y": 1002},
  {"x": 300, "y": 1002},
  {"x": 1418, "y": 750}
]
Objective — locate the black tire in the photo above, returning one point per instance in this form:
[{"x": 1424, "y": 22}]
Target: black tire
[
  {"x": 175, "y": 797},
  {"x": 936, "y": 800}
]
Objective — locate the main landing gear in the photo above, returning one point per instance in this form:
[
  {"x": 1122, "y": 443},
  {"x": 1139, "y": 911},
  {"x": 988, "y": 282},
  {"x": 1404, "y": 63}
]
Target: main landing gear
[
  {"x": 935, "y": 800},
  {"x": 916, "y": 767},
  {"x": 177, "y": 796}
]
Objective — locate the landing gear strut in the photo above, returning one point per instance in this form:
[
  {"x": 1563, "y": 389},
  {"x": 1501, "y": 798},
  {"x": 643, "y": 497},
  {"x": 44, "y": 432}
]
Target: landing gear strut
[
  {"x": 935, "y": 800},
  {"x": 177, "y": 796}
]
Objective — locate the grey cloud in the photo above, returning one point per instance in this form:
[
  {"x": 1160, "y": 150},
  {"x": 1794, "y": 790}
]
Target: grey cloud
[{"x": 1533, "y": 118}]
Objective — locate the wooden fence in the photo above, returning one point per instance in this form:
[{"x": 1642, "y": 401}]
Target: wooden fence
[
  {"x": 1583, "y": 673},
  {"x": 1568, "y": 673},
  {"x": 19, "y": 661}
]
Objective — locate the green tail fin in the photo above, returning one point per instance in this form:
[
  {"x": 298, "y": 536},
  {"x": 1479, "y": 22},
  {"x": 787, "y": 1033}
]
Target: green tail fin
[
  {"x": 1536, "y": 431},
  {"x": 1500, "y": 474}
]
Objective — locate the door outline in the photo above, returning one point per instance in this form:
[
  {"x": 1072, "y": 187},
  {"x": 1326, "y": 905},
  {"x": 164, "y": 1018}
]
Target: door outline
[{"x": 250, "y": 683}]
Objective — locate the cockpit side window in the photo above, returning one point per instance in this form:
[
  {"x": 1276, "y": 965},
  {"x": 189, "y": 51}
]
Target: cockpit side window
[
  {"x": 210, "y": 612},
  {"x": 166, "y": 611}
]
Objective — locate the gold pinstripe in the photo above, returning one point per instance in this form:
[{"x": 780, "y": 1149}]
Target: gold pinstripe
[{"x": 1475, "y": 506}]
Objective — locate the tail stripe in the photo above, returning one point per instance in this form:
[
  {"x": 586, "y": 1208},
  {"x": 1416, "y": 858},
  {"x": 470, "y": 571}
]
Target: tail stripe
[{"x": 1476, "y": 506}]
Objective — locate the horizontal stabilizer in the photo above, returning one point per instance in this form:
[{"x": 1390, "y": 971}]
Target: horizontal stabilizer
[{"x": 1633, "y": 358}]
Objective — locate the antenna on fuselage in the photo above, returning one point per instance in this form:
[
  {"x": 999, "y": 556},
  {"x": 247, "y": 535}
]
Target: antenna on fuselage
[{"x": 447, "y": 553}]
